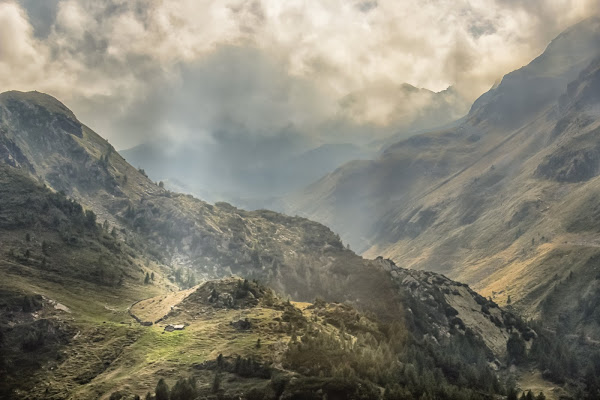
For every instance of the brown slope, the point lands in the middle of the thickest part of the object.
(495, 202)
(507, 220)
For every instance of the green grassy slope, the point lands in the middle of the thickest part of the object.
(89, 274)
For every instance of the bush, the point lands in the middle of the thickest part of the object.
(116, 396)
(32, 303)
(33, 340)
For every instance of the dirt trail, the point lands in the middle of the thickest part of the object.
(149, 311)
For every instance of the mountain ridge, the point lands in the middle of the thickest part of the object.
(485, 202)
(153, 240)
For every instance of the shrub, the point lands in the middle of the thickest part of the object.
(33, 340)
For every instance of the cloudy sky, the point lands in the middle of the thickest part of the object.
(135, 70)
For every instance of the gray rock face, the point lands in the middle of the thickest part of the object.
(452, 308)
(571, 165)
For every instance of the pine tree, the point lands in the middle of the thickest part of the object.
(515, 347)
(238, 364)
(162, 390)
(184, 389)
(216, 386)
(294, 337)
(147, 279)
(45, 247)
(90, 219)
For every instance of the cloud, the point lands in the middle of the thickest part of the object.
(239, 86)
(135, 69)
(17, 45)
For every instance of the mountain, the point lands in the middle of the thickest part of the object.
(504, 200)
(403, 109)
(179, 230)
(191, 168)
(99, 297)
(254, 172)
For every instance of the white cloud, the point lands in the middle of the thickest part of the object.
(18, 48)
(103, 57)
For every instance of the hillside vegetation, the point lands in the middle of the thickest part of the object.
(94, 254)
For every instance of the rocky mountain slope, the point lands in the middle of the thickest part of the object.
(201, 240)
(502, 201)
(86, 236)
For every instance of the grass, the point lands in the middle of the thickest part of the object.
(157, 353)
(113, 352)
(87, 302)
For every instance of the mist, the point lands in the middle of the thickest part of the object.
(250, 88)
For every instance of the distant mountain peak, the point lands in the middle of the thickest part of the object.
(45, 100)
(37, 107)
(529, 89)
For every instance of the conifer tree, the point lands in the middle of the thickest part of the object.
(162, 390)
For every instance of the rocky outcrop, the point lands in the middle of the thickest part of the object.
(568, 165)
(12, 155)
(451, 308)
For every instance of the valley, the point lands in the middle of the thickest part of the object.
(110, 276)
(384, 242)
